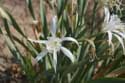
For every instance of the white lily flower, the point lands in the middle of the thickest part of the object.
(114, 27)
(54, 44)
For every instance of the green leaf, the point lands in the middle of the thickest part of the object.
(84, 50)
(81, 33)
(15, 25)
(14, 50)
(29, 3)
(7, 27)
(11, 43)
(29, 70)
(66, 23)
(9, 18)
(61, 6)
(1, 31)
(3, 14)
(43, 19)
(90, 72)
(72, 67)
(81, 7)
(31, 48)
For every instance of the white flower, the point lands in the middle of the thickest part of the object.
(114, 27)
(54, 44)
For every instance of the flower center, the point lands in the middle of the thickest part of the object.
(53, 43)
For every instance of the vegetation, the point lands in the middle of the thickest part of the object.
(83, 43)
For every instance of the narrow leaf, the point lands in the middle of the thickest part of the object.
(43, 19)
(29, 3)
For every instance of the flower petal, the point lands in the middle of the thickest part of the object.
(119, 33)
(68, 54)
(113, 48)
(107, 14)
(70, 39)
(55, 59)
(121, 42)
(37, 41)
(53, 25)
(109, 37)
(41, 55)
(115, 19)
